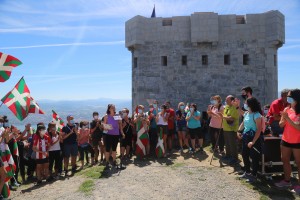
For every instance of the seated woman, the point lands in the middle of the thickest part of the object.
(290, 121)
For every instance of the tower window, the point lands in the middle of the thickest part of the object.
(204, 59)
(184, 60)
(246, 59)
(135, 60)
(167, 22)
(164, 61)
(227, 59)
(240, 19)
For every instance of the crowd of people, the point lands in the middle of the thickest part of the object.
(46, 152)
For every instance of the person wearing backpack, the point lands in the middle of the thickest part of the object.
(215, 112)
(250, 133)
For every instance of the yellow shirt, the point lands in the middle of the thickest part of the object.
(234, 113)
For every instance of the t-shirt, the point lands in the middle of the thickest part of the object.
(84, 136)
(249, 121)
(290, 134)
(193, 123)
(56, 146)
(275, 108)
(182, 115)
(97, 130)
(72, 139)
(216, 121)
(153, 123)
(171, 121)
(233, 112)
(42, 144)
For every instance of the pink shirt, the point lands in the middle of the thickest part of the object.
(84, 136)
(216, 121)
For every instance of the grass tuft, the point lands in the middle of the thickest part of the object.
(87, 187)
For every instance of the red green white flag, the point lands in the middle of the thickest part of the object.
(58, 121)
(34, 107)
(7, 63)
(5, 190)
(142, 142)
(18, 100)
(160, 150)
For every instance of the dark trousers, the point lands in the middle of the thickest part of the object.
(153, 137)
(55, 157)
(16, 160)
(214, 132)
(88, 149)
(248, 153)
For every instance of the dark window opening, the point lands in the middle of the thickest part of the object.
(245, 59)
(135, 62)
(204, 60)
(226, 59)
(164, 61)
(240, 19)
(184, 60)
(167, 22)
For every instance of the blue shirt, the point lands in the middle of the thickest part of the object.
(249, 121)
(193, 123)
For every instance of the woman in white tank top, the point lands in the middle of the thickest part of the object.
(162, 122)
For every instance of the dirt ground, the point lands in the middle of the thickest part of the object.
(177, 177)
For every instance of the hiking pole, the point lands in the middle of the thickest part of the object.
(217, 141)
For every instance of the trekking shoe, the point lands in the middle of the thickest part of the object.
(180, 150)
(233, 161)
(245, 175)
(283, 183)
(2, 198)
(201, 150)
(39, 182)
(74, 170)
(296, 189)
(49, 179)
(252, 178)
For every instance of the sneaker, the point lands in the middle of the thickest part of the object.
(245, 175)
(201, 149)
(296, 189)
(107, 166)
(252, 178)
(39, 182)
(233, 161)
(180, 150)
(283, 183)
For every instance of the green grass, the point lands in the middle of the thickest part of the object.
(177, 165)
(87, 187)
(189, 173)
(94, 172)
(267, 191)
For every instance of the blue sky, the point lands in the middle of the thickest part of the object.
(74, 49)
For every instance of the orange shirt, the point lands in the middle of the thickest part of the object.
(290, 134)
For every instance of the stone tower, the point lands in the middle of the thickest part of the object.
(191, 58)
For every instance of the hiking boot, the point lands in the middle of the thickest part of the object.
(245, 175)
(107, 166)
(252, 178)
(283, 184)
(39, 182)
(180, 151)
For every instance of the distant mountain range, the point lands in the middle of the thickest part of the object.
(81, 110)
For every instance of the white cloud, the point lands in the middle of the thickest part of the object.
(68, 44)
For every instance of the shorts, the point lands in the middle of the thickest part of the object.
(164, 129)
(127, 141)
(290, 145)
(111, 142)
(193, 132)
(70, 150)
(181, 128)
(42, 161)
(96, 138)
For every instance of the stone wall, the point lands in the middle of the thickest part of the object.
(204, 34)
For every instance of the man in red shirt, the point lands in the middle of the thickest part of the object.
(274, 114)
(171, 125)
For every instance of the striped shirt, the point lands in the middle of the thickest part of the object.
(43, 145)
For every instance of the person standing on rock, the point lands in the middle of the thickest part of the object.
(113, 128)
(171, 125)
(96, 135)
(162, 124)
(181, 126)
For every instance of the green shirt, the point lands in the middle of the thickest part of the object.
(233, 112)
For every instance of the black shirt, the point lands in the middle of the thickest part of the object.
(72, 139)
